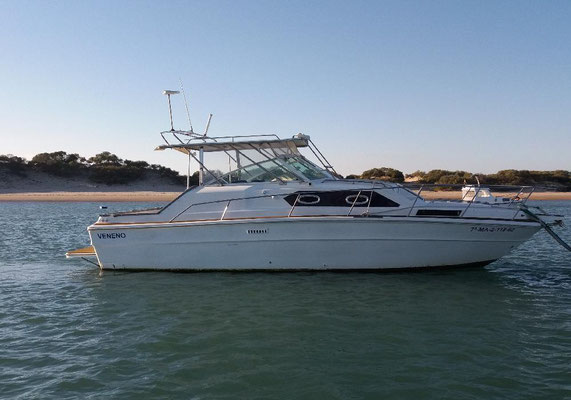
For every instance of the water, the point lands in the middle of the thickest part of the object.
(68, 331)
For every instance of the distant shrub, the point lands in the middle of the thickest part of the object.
(416, 174)
(59, 163)
(193, 179)
(109, 169)
(444, 177)
(137, 164)
(105, 158)
(384, 173)
(14, 164)
(558, 180)
(114, 174)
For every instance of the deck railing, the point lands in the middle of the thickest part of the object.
(521, 197)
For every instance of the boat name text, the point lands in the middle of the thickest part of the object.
(111, 235)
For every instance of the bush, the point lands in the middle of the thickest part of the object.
(105, 158)
(415, 174)
(384, 173)
(444, 177)
(114, 174)
(109, 169)
(14, 164)
(559, 179)
(59, 163)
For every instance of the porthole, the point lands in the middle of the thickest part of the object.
(358, 201)
(308, 199)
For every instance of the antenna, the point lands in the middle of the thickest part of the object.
(207, 124)
(168, 94)
(186, 106)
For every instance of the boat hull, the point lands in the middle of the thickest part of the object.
(306, 244)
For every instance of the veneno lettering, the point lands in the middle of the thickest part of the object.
(111, 235)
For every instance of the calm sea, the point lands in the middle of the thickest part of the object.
(69, 331)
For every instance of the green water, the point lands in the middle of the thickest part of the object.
(69, 331)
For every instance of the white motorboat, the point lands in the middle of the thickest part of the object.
(484, 195)
(278, 210)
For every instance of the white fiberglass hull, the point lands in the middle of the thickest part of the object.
(317, 243)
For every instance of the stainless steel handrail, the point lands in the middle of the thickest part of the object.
(522, 201)
(370, 199)
(415, 200)
(366, 213)
(225, 209)
(470, 203)
(294, 204)
(529, 195)
(354, 201)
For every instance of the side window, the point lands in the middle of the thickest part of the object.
(340, 198)
(357, 200)
(308, 199)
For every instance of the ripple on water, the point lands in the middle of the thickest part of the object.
(67, 330)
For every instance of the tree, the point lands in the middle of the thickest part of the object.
(105, 158)
(416, 174)
(384, 173)
(58, 163)
(14, 164)
(137, 164)
(444, 177)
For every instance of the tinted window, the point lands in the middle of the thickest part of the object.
(341, 198)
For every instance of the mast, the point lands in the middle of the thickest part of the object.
(168, 93)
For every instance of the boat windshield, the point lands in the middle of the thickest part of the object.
(284, 168)
(306, 168)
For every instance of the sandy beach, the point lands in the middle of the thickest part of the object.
(90, 196)
(169, 196)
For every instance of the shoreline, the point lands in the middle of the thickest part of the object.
(136, 196)
(149, 196)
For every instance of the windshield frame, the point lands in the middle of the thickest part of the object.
(280, 167)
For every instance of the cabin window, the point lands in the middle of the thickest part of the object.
(340, 198)
(282, 168)
(308, 199)
(438, 213)
(357, 199)
(306, 169)
(266, 171)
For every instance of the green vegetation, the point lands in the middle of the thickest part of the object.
(107, 168)
(384, 174)
(13, 164)
(441, 176)
(104, 167)
(58, 163)
(558, 180)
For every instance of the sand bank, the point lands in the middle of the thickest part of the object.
(168, 196)
(90, 196)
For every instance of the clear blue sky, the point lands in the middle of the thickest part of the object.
(472, 85)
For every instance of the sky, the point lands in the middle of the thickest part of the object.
(413, 85)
